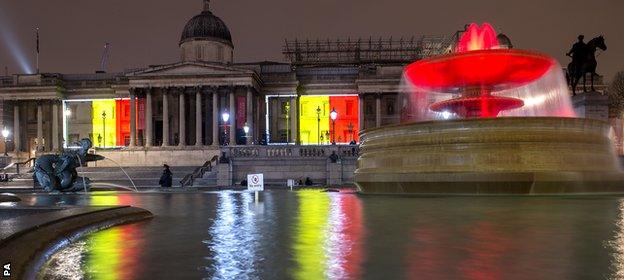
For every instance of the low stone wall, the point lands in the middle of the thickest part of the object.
(280, 163)
(174, 156)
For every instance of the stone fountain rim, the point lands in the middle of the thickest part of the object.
(596, 122)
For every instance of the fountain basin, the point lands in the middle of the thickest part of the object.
(509, 155)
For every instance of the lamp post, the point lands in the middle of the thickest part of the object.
(287, 109)
(333, 115)
(67, 114)
(318, 124)
(5, 135)
(225, 116)
(104, 128)
(246, 130)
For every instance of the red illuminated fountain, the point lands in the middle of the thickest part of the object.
(487, 120)
(477, 69)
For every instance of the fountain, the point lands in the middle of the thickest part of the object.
(57, 173)
(488, 120)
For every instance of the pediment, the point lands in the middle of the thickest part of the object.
(190, 69)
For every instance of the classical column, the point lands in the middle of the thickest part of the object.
(182, 126)
(55, 127)
(249, 117)
(361, 111)
(165, 111)
(132, 118)
(378, 110)
(215, 118)
(293, 119)
(258, 119)
(39, 126)
(148, 118)
(198, 118)
(232, 117)
(17, 141)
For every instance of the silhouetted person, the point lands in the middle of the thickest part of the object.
(333, 157)
(308, 181)
(579, 50)
(166, 179)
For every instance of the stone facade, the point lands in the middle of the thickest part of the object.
(179, 106)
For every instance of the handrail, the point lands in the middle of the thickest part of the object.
(199, 172)
(17, 164)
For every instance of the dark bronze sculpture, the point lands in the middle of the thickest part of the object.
(583, 61)
(58, 172)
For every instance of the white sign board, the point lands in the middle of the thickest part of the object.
(255, 182)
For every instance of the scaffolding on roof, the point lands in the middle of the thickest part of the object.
(366, 51)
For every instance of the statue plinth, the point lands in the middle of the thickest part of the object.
(591, 105)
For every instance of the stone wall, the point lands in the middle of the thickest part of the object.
(280, 163)
(188, 156)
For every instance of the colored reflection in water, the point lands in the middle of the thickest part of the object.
(234, 238)
(104, 255)
(310, 235)
(111, 199)
(315, 235)
(328, 236)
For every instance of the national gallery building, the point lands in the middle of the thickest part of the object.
(207, 100)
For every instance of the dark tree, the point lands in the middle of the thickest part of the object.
(615, 91)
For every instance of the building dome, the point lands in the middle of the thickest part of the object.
(504, 41)
(206, 38)
(206, 26)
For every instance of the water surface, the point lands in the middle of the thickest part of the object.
(314, 235)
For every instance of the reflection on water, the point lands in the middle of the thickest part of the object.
(329, 232)
(233, 238)
(314, 235)
(310, 232)
(618, 245)
(103, 255)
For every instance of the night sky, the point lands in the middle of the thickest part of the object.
(144, 32)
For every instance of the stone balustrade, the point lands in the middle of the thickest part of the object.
(289, 151)
(283, 162)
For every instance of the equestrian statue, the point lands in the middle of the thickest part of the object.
(583, 61)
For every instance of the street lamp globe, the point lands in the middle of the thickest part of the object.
(246, 128)
(333, 114)
(5, 133)
(68, 112)
(225, 116)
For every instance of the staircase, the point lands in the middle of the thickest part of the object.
(202, 176)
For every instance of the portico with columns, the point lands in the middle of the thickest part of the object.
(187, 109)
